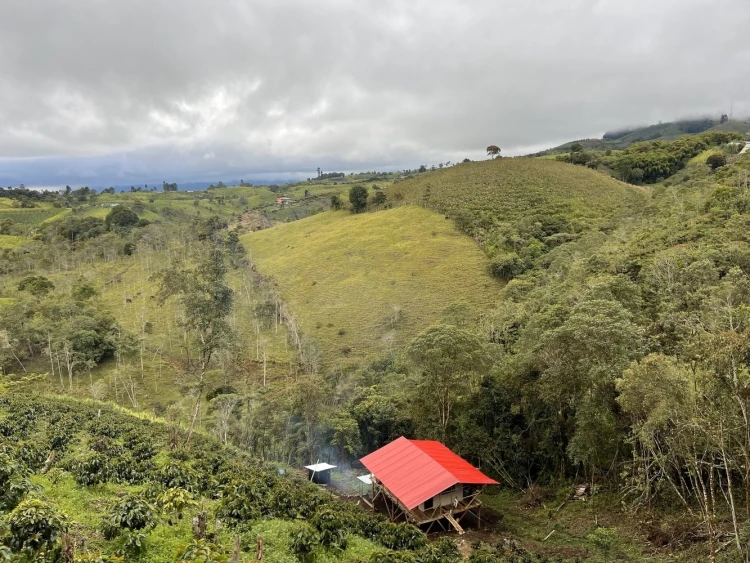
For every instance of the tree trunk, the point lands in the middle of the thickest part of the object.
(197, 408)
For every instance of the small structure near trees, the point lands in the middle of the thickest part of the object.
(425, 483)
(320, 473)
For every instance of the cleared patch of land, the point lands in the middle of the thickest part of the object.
(362, 285)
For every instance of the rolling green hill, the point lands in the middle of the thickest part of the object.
(365, 284)
(521, 209)
(508, 189)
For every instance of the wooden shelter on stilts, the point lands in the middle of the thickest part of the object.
(425, 483)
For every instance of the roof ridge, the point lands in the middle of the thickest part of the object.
(458, 480)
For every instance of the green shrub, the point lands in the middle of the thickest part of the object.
(507, 266)
(177, 476)
(332, 531)
(303, 543)
(716, 160)
(131, 513)
(35, 525)
(358, 198)
(89, 470)
(201, 550)
(14, 484)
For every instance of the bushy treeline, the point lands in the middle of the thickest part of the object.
(649, 162)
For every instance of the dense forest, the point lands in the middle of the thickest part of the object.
(607, 344)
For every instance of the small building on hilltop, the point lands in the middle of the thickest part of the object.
(423, 482)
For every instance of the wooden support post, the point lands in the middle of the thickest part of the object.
(236, 551)
(259, 552)
(68, 548)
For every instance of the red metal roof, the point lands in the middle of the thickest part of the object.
(417, 470)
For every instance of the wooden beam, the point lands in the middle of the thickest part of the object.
(456, 525)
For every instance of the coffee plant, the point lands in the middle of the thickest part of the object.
(201, 550)
(303, 543)
(14, 484)
(35, 525)
(90, 470)
(131, 513)
(95, 444)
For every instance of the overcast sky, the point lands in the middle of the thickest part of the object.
(106, 92)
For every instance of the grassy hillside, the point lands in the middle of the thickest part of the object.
(363, 284)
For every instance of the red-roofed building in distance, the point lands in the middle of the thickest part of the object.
(423, 482)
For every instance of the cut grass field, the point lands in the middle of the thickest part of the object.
(509, 189)
(362, 285)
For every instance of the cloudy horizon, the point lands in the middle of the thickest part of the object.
(114, 93)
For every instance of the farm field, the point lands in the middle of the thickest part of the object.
(506, 189)
(32, 216)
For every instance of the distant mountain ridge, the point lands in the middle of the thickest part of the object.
(623, 138)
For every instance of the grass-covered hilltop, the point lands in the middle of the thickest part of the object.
(569, 321)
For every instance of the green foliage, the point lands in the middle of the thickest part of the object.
(14, 484)
(78, 228)
(658, 160)
(38, 286)
(175, 502)
(303, 543)
(345, 434)
(716, 160)
(336, 202)
(330, 527)
(82, 291)
(35, 525)
(90, 470)
(604, 539)
(97, 557)
(202, 551)
(358, 198)
(379, 198)
(131, 513)
(451, 360)
(507, 266)
(121, 218)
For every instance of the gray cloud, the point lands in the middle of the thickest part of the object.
(100, 91)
